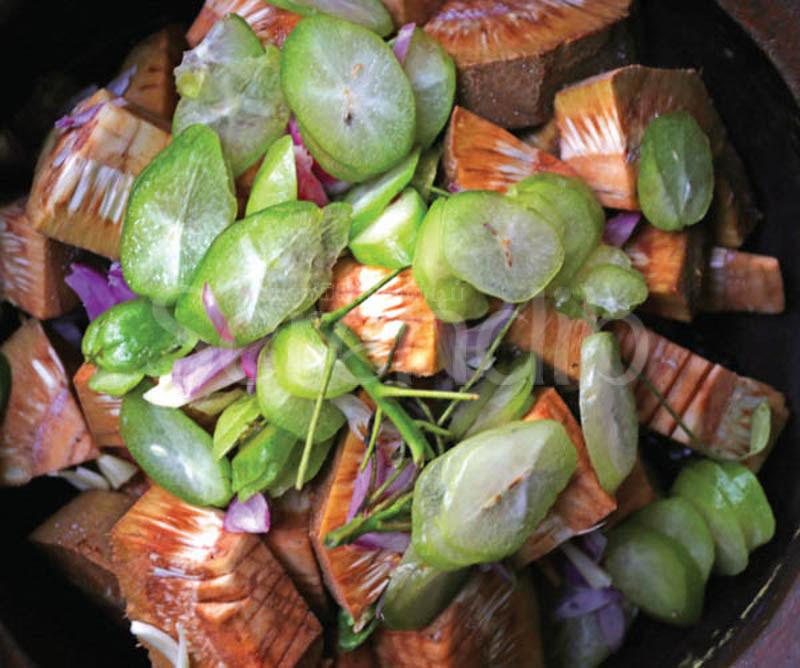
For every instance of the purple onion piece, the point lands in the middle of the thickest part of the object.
(192, 372)
(250, 359)
(309, 187)
(78, 118)
(356, 411)
(95, 290)
(360, 489)
(619, 228)
(403, 41)
(294, 130)
(215, 315)
(252, 516)
(119, 84)
(119, 286)
(580, 601)
(611, 620)
(594, 544)
(395, 541)
(453, 188)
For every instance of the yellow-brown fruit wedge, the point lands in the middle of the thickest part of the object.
(733, 214)
(737, 281)
(356, 576)
(490, 623)
(583, 503)
(78, 540)
(271, 24)
(672, 264)
(412, 11)
(479, 155)
(100, 410)
(289, 540)
(177, 565)
(33, 266)
(512, 57)
(152, 84)
(379, 319)
(85, 174)
(545, 137)
(636, 491)
(43, 429)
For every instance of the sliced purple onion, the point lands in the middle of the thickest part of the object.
(594, 576)
(619, 228)
(119, 286)
(294, 130)
(309, 187)
(250, 359)
(97, 292)
(580, 601)
(252, 516)
(356, 411)
(192, 372)
(119, 84)
(215, 315)
(403, 41)
(78, 118)
(168, 394)
(453, 188)
(611, 620)
(594, 544)
(330, 184)
(395, 541)
(69, 327)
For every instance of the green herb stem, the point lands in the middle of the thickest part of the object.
(373, 437)
(377, 522)
(329, 319)
(378, 493)
(398, 339)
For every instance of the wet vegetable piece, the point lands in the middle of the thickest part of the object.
(677, 518)
(287, 411)
(232, 84)
(369, 199)
(276, 180)
(746, 496)
(499, 247)
(608, 410)
(5, 384)
(570, 207)
(353, 102)
(236, 422)
(115, 383)
(298, 355)
(418, 592)
(349, 638)
(676, 172)
(180, 202)
(261, 459)
(288, 476)
(611, 290)
(432, 74)
(136, 336)
(701, 483)
(174, 451)
(266, 268)
(389, 240)
(450, 298)
(656, 573)
(368, 13)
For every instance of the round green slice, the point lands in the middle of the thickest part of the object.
(289, 412)
(262, 457)
(677, 518)
(498, 246)
(299, 358)
(353, 102)
(701, 484)
(287, 478)
(427, 168)
(656, 573)
(276, 180)
(389, 240)
(608, 411)
(179, 204)
(368, 13)
(613, 291)
(746, 496)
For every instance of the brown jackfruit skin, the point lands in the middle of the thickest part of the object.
(43, 429)
(271, 24)
(490, 623)
(101, 411)
(512, 57)
(411, 11)
(737, 281)
(177, 565)
(582, 504)
(78, 539)
(33, 266)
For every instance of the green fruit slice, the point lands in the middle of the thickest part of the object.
(276, 180)
(450, 298)
(656, 573)
(179, 204)
(499, 247)
(298, 354)
(287, 478)
(432, 74)
(570, 207)
(232, 84)
(115, 383)
(389, 240)
(746, 496)
(266, 268)
(353, 102)
(608, 411)
(368, 13)
(369, 199)
(417, 592)
(235, 423)
(613, 291)
(174, 451)
(427, 168)
(701, 484)
(261, 459)
(678, 519)
(289, 412)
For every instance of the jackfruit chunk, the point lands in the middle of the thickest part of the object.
(177, 565)
(636, 491)
(411, 11)
(490, 623)
(43, 430)
(85, 174)
(33, 266)
(737, 281)
(582, 504)
(101, 411)
(479, 155)
(379, 319)
(271, 24)
(512, 57)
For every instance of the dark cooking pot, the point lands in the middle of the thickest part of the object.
(750, 618)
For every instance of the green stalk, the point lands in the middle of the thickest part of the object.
(432, 420)
(440, 191)
(376, 522)
(378, 493)
(395, 391)
(328, 319)
(433, 429)
(393, 350)
(373, 437)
